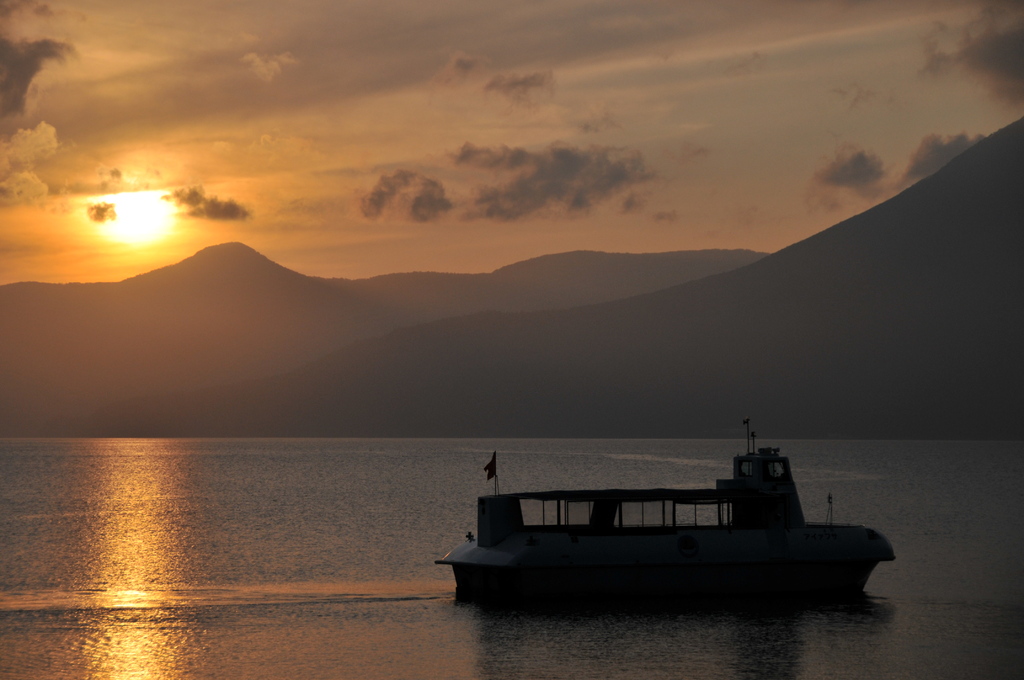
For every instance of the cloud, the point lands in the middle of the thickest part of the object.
(856, 94)
(10, 7)
(599, 120)
(408, 193)
(18, 156)
(991, 49)
(665, 216)
(459, 68)
(198, 204)
(562, 176)
(111, 179)
(26, 147)
(851, 169)
(274, 149)
(266, 68)
(860, 172)
(934, 152)
(518, 89)
(19, 63)
(101, 212)
(22, 188)
(687, 152)
(633, 203)
(746, 65)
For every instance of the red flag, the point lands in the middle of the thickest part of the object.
(492, 468)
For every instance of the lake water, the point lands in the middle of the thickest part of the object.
(292, 559)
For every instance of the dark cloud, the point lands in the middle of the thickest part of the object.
(518, 89)
(19, 63)
(101, 212)
(934, 152)
(633, 203)
(997, 55)
(746, 66)
(411, 194)
(665, 216)
(198, 204)
(852, 168)
(565, 176)
(599, 121)
(687, 152)
(111, 179)
(992, 49)
(9, 7)
(460, 66)
(855, 94)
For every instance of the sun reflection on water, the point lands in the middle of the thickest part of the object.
(139, 556)
(137, 644)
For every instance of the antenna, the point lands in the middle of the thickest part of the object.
(746, 421)
(828, 516)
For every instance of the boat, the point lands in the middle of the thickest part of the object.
(746, 536)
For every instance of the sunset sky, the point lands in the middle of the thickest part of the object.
(348, 138)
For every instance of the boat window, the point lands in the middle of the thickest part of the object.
(644, 514)
(776, 469)
(554, 512)
(630, 515)
(701, 514)
(608, 514)
(654, 514)
(533, 511)
(746, 468)
(577, 512)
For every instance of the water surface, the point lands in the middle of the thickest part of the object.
(290, 559)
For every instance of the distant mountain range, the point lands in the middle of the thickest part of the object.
(906, 321)
(229, 314)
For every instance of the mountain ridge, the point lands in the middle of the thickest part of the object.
(227, 313)
(901, 322)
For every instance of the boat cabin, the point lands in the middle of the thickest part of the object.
(760, 495)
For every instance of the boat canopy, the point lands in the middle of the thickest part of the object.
(677, 495)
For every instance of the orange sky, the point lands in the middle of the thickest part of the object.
(353, 138)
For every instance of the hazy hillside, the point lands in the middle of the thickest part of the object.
(547, 282)
(904, 321)
(228, 313)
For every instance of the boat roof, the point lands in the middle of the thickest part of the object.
(687, 495)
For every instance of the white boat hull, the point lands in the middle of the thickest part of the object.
(811, 560)
(475, 582)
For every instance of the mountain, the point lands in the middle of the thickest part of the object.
(548, 282)
(905, 321)
(228, 313)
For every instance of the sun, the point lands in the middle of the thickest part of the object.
(133, 217)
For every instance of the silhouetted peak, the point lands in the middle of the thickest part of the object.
(227, 262)
(572, 259)
(234, 249)
(229, 255)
